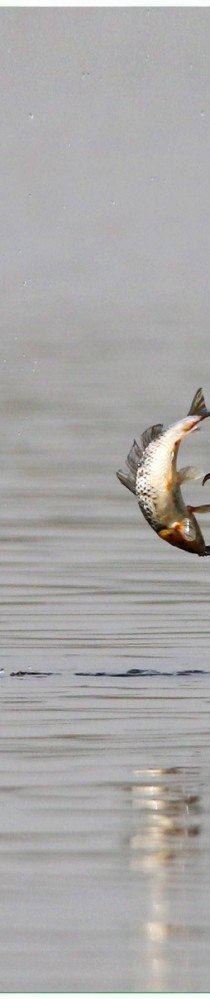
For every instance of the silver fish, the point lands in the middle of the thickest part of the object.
(154, 478)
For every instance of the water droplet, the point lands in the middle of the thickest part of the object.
(202, 114)
(31, 115)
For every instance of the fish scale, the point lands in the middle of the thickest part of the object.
(145, 491)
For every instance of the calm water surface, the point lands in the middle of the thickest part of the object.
(104, 775)
(105, 780)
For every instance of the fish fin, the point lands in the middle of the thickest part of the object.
(204, 508)
(188, 474)
(127, 480)
(133, 461)
(134, 457)
(151, 434)
(198, 406)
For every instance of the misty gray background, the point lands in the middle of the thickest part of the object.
(105, 206)
(105, 328)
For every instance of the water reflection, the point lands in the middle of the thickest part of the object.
(167, 823)
(169, 812)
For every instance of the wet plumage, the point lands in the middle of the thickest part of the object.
(152, 475)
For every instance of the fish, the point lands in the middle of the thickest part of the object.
(152, 475)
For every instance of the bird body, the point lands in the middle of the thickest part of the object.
(154, 478)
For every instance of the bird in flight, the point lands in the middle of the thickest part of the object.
(152, 475)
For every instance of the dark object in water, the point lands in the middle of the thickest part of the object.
(30, 672)
(130, 673)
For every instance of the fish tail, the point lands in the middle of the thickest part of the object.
(198, 406)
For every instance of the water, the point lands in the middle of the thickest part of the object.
(104, 773)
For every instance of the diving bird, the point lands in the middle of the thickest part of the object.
(152, 475)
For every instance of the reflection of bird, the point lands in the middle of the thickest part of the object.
(154, 478)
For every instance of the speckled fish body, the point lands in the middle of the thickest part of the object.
(154, 478)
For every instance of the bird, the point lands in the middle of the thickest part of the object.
(152, 475)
